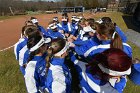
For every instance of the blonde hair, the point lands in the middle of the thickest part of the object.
(109, 31)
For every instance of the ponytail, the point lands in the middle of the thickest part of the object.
(31, 56)
(48, 58)
(116, 41)
(108, 29)
(56, 46)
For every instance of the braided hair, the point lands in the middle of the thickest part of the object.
(56, 46)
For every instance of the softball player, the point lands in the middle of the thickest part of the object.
(21, 47)
(66, 25)
(107, 20)
(35, 21)
(109, 39)
(58, 78)
(135, 72)
(53, 31)
(23, 40)
(105, 73)
(35, 71)
(74, 25)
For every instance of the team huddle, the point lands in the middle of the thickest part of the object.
(96, 50)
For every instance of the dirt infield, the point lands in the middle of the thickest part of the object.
(10, 29)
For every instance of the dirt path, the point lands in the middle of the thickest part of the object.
(10, 29)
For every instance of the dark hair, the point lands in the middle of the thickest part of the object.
(37, 24)
(91, 21)
(65, 14)
(23, 30)
(28, 23)
(50, 22)
(28, 30)
(113, 58)
(56, 21)
(32, 41)
(108, 30)
(55, 17)
(56, 45)
(106, 19)
(33, 18)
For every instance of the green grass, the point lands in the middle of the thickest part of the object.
(12, 81)
(4, 17)
(8, 17)
(131, 88)
(117, 18)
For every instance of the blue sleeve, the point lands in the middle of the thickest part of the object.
(60, 26)
(72, 57)
(80, 42)
(81, 50)
(90, 42)
(74, 29)
(31, 78)
(42, 29)
(121, 85)
(121, 33)
(60, 35)
(127, 50)
(48, 33)
(96, 40)
(18, 47)
(26, 56)
(95, 51)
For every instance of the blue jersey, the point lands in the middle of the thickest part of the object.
(81, 35)
(54, 34)
(74, 28)
(18, 46)
(42, 30)
(82, 50)
(121, 34)
(23, 57)
(59, 26)
(135, 74)
(88, 43)
(66, 27)
(35, 74)
(92, 84)
(58, 78)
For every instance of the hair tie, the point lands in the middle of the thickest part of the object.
(114, 72)
(114, 35)
(66, 47)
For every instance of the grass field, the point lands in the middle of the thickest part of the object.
(12, 81)
(7, 17)
(4, 17)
